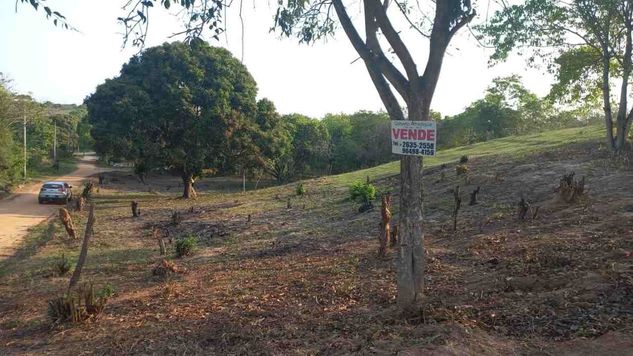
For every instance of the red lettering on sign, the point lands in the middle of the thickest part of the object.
(413, 134)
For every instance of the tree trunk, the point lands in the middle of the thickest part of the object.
(623, 117)
(188, 189)
(84, 248)
(410, 264)
(606, 98)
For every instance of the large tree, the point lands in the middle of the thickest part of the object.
(180, 106)
(591, 42)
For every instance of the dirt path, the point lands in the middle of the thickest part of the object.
(21, 211)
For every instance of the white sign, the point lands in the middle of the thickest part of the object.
(415, 138)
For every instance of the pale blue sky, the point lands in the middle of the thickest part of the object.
(65, 66)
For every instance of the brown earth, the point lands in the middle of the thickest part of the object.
(268, 279)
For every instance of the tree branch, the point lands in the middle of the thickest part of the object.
(394, 39)
(371, 58)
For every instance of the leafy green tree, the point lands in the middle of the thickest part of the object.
(591, 41)
(180, 106)
(341, 147)
(310, 145)
(274, 140)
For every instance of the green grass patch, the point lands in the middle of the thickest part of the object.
(507, 146)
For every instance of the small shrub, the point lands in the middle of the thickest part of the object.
(301, 190)
(364, 193)
(186, 246)
(461, 169)
(463, 159)
(62, 265)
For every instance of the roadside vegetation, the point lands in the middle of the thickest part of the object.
(73, 134)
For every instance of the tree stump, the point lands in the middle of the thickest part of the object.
(88, 189)
(161, 246)
(67, 221)
(176, 218)
(523, 208)
(570, 189)
(458, 205)
(136, 212)
(80, 203)
(473, 197)
(394, 235)
(385, 225)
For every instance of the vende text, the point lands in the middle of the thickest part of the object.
(413, 134)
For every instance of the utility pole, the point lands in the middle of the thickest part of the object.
(55, 141)
(24, 135)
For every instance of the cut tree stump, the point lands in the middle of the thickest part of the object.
(385, 225)
(80, 203)
(136, 212)
(458, 205)
(67, 221)
(570, 189)
(473, 197)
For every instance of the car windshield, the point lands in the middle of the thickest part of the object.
(52, 186)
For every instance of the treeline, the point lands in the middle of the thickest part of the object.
(301, 147)
(41, 120)
(508, 108)
(192, 109)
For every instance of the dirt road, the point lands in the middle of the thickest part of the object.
(21, 211)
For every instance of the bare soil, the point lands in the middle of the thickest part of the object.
(268, 279)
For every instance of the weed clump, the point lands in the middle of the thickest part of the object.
(82, 305)
(186, 246)
(301, 190)
(62, 265)
(364, 193)
(461, 170)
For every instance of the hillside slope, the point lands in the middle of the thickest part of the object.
(279, 274)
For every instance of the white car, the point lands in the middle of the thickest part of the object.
(55, 192)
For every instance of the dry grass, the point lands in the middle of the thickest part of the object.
(307, 280)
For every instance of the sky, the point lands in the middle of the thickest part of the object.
(66, 66)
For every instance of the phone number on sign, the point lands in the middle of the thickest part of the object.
(421, 145)
(417, 151)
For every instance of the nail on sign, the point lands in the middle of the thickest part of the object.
(415, 138)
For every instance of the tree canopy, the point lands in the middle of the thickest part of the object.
(179, 106)
(587, 43)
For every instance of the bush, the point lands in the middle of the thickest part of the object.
(463, 159)
(79, 306)
(62, 265)
(186, 246)
(362, 192)
(301, 190)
